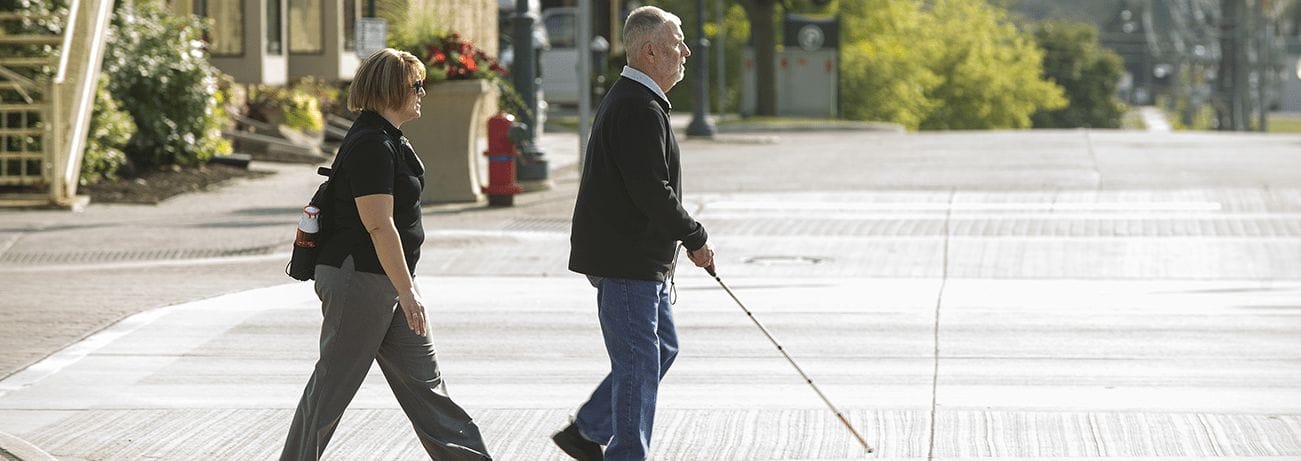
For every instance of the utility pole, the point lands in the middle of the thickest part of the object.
(721, 17)
(700, 126)
(1264, 64)
(1232, 79)
(533, 166)
(583, 43)
(1242, 68)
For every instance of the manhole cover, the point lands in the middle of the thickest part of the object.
(785, 260)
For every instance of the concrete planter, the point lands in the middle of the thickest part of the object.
(446, 137)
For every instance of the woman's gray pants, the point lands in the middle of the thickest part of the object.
(361, 326)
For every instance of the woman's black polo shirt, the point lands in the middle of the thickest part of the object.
(374, 159)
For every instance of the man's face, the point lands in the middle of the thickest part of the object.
(671, 54)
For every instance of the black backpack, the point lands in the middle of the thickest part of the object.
(302, 262)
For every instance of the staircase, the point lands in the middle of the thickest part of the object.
(47, 91)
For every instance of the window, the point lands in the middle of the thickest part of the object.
(275, 29)
(226, 35)
(561, 30)
(305, 24)
(350, 25)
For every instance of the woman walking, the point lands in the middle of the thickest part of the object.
(364, 276)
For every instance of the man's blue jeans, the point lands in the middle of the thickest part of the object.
(637, 323)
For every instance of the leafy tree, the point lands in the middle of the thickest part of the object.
(948, 64)
(885, 73)
(991, 71)
(1074, 59)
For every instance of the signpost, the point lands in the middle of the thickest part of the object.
(371, 36)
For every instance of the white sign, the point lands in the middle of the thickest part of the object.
(372, 36)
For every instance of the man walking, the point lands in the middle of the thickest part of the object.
(628, 219)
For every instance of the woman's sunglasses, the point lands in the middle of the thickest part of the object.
(419, 86)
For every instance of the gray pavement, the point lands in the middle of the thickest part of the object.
(1017, 295)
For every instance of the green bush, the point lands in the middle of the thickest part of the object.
(1074, 59)
(110, 129)
(160, 72)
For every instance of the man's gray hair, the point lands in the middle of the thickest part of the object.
(642, 25)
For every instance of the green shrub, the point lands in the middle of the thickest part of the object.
(1074, 59)
(160, 72)
(110, 129)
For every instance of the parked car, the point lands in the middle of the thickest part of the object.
(560, 61)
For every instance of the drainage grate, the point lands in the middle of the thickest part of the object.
(133, 255)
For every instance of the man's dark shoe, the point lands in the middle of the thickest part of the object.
(575, 445)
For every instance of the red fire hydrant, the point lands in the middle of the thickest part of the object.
(501, 188)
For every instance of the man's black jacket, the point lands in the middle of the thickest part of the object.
(629, 217)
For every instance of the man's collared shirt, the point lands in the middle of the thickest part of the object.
(641, 77)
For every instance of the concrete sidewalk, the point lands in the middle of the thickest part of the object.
(218, 379)
(1024, 295)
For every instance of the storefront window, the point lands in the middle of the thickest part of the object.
(275, 29)
(305, 24)
(226, 34)
(350, 25)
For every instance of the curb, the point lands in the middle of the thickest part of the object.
(16, 449)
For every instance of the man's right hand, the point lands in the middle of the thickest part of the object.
(702, 257)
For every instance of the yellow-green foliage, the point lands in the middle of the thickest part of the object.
(885, 74)
(957, 64)
(992, 72)
(110, 129)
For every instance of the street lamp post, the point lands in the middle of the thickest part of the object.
(532, 164)
(700, 111)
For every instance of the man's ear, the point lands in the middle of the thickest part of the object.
(648, 48)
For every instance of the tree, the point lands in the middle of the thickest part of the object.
(763, 34)
(1074, 59)
(944, 64)
(992, 72)
(885, 73)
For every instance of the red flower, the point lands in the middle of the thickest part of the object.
(468, 62)
(459, 59)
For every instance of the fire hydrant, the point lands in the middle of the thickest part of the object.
(501, 153)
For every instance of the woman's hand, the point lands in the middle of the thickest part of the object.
(376, 212)
(414, 308)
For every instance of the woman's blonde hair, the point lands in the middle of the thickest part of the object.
(384, 80)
